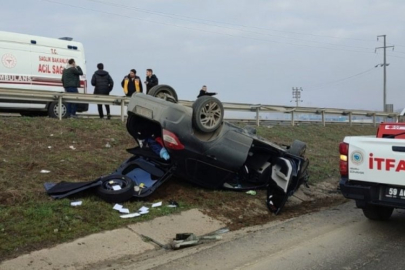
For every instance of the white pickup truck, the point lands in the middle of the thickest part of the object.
(373, 170)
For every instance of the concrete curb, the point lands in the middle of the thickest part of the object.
(116, 244)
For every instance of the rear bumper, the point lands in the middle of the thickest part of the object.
(367, 193)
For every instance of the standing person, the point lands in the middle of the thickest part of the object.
(132, 84)
(151, 80)
(71, 81)
(203, 92)
(103, 84)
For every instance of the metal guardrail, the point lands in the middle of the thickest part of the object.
(60, 97)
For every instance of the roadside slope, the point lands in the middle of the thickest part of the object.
(29, 220)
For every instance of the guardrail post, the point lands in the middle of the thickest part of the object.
(323, 118)
(122, 110)
(292, 119)
(60, 107)
(257, 116)
(350, 118)
(374, 119)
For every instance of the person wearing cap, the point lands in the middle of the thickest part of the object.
(132, 84)
(203, 92)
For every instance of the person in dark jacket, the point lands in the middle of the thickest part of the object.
(151, 80)
(131, 84)
(71, 81)
(203, 92)
(103, 84)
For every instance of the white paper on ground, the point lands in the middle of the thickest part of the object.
(143, 209)
(45, 171)
(72, 147)
(144, 212)
(116, 187)
(76, 203)
(157, 204)
(124, 210)
(171, 206)
(117, 207)
(130, 215)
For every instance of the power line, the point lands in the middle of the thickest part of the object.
(206, 31)
(216, 23)
(321, 85)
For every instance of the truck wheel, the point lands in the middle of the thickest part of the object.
(208, 114)
(377, 212)
(107, 192)
(165, 92)
(53, 110)
(297, 148)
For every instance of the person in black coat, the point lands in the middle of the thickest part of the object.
(103, 84)
(151, 80)
(203, 92)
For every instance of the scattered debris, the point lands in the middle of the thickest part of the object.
(72, 147)
(130, 215)
(49, 147)
(124, 210)
(51, 135)
(173, 204)
(156, 204)
(117, 207)
(183, 240)
(78, 203)
(108, 145)
(154, 241)
(143, 210)
(116, 187)
(251, 192)
(45, 171)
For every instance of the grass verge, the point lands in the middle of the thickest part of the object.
(30, 220)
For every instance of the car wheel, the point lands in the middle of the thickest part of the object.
(53, 110)
(377, 212)
(165, 92)
(208, 114)
(106, 191)
(297, 148)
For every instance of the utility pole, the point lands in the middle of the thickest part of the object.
(385, 68)
(296, 95)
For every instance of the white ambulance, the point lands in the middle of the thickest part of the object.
(36, 63)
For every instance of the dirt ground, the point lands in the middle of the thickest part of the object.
(238, 209)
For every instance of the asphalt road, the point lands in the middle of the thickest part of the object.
(338, 238)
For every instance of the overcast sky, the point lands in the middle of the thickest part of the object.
(248, 51)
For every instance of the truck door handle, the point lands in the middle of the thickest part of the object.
(398, 148)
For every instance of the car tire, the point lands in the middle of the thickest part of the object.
(297, 148)
(377, 212)
(165, 92)
(108, 194)
(53, 110)
(208, 114)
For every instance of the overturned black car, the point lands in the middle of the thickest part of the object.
(197, 145)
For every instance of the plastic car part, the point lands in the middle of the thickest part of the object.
(297, 148)
(276, 199)
(106, 191)
(208, 114)
(165, 92)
